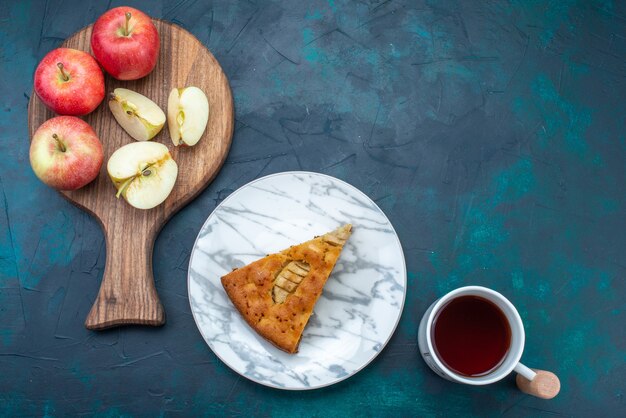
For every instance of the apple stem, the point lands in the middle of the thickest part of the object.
(63, 73)
(59, 143)
(128, 15)
(124, 186)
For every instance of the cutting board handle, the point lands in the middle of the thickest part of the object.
(127, 294)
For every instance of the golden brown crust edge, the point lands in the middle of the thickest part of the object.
(249, 289)
(250, 296)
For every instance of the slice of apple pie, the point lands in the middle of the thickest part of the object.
(276, 294)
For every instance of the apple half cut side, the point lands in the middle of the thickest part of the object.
(140, 117)
(143, 173)
(187, 115)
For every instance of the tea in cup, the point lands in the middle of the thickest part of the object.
(474, 335)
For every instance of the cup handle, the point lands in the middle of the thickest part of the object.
(539, 383)
(525, 371)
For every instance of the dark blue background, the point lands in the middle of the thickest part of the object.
(492, 134)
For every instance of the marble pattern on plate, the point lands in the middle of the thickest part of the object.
(361, 303)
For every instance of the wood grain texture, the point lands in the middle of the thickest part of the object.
(545, 385)
(127, 293)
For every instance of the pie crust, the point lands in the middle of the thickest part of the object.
(276, 294)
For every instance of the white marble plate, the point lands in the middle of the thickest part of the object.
(362, 300)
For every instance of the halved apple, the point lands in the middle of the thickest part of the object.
(187, 115)
(138, 115)
(143, 173)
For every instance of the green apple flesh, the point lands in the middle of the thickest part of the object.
(187, 115)
(138, 115)
(144, 173)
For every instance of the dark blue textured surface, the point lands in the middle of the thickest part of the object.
(493, 135)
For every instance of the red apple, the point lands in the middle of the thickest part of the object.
(65, 153)
(126, 43)
(69, 82)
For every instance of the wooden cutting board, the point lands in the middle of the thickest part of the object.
(127, 293)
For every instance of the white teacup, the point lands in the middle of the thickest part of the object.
(512, 357)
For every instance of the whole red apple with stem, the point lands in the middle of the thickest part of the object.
(65, 153)
(126, 43)
(69, 82)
